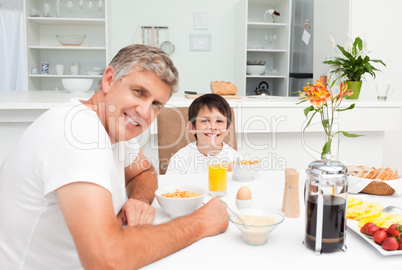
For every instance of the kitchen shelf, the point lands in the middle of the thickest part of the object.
(267, 76)
(263, 25)
(65, 48)
(66, 21)
(254, 42)
(63, 76)
(43, 46)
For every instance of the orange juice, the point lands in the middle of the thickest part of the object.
(217, 178)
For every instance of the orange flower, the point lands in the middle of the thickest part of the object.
(316, 93)
(344, 91)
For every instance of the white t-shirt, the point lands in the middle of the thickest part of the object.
(189, 160)
(66, 144)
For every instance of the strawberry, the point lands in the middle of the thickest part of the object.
(390, 243)
(379, 236)
(372, 229)
(400, 243)
(364, 228)
(393, 230)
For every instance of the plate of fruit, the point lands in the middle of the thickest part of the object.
(381, 229)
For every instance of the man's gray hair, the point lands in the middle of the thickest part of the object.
(144, 58)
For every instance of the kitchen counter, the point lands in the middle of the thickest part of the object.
(265, 127)
(49, 99)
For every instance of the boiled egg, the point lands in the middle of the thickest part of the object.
(244, 193)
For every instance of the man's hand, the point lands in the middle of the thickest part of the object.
(135, 212)
(214, 216)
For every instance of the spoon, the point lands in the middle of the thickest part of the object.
(233, 212)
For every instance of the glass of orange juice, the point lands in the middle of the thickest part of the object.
(217, 173)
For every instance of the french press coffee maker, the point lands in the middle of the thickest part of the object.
(326, 194)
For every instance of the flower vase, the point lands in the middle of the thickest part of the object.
(355, 86)
(333, 150)
(274, 18)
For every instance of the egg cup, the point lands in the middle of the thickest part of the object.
(243, 204)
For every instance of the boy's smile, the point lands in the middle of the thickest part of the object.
(211, 128)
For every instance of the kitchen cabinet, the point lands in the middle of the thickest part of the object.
(254, 32)
(46, 19)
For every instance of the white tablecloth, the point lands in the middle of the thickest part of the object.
(284, 249)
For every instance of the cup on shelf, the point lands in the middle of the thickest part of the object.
(59, 69)
(34, 70)
(383, 91)
(75, 69)
(45, 68)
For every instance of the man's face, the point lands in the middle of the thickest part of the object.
(132, 103)
(210, 127)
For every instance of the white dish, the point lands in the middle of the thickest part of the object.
(77, 85)
(71, 40)
(352, 224)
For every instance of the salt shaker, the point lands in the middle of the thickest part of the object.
(285, 190)
(292, 208)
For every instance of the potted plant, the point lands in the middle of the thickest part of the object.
(352, 64)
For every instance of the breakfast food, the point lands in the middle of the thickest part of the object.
(246, 162)
(223, 88)
(244, 193)
(373, 173)
(256, 235)
(388, 237)
(365, 211)
(181, 194)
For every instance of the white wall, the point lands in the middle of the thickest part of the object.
(378, 22)
(331, 18)
(197, 68)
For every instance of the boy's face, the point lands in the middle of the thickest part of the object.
(211, 127)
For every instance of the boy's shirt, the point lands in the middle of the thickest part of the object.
(189, 160)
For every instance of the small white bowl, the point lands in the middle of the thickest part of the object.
(243, 204)
(256, 235)
(71, 40)
(77, 85)
(176, 207)
(255, 69)
(245, 172)
(94, 71)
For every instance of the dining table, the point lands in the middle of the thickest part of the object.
(284, 248)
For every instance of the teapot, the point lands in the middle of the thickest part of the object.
(262, 89)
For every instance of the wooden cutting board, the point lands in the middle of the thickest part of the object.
(190, 96)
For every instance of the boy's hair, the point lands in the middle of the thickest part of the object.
(211, 101)
(144, 58)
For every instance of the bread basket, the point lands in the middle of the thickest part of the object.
(378, 187)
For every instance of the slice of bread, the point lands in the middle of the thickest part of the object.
(355, 170)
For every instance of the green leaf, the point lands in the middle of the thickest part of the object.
(325, 123)
(327, 148)
(308, 109)
(309, 121)
(346, 134)
(348, 108)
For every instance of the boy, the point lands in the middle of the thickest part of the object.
(209, 117)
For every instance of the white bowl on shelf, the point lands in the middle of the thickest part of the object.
(94, 71)
(77, 85)
(255, 69)
(71, 40)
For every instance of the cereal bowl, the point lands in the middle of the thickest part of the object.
(176, 207)
(259, 224)
(245, 172)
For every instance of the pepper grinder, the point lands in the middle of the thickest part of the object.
(285, 190)
(292, 208)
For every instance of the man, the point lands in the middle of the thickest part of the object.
(62, 200)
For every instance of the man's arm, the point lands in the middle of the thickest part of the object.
(141, 179)
(141, 183)
(102, 244)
